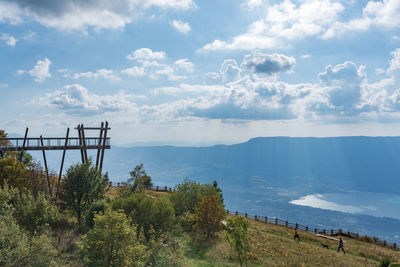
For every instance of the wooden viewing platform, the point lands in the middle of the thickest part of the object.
(82, 143)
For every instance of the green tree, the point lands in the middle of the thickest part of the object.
(82, 186)
(238, 237)
(186, 196)
(139, 179)
(111, 242)
(12, 171)
(153, 217)
(208, 216)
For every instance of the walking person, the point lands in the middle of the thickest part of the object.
(341, 245)
(296, 236)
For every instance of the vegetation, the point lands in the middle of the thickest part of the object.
(238, 237)
(83, 185)
(139, 179)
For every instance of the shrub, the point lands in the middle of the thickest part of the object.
(238, 237)
(111, 242)
(139, 179)
(82, 186)
(97, 207)
(208, 216)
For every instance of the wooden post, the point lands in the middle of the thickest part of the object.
(306, 228)
(104, 146)
(45, 165)
(157, 188)
(394, 246)
(99, 144)
(84, 144)
(266, 219)
(324, 231)
(276, 221)
(62, 162)
(286, 223)
(331, 231)
(227, 212)
(236, 213)
(80, 143)
(255, 217)
(316, 231)
(245, 215)
(23, 145)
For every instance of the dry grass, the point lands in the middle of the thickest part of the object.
(274, 246)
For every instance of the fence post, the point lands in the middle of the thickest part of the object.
(394, 245)
(157, 188)
(384, 243)
(276, 221)
(236, 213)
(227, 212)
(324, 231)
(110, 183)
(118, 184)
(316, 231)
(165, 189)
(255, 217)
(286, 223)
(266, 219)
(170, 189)
(297, 226)
(306, 228)
(245, 215)
(331, 231)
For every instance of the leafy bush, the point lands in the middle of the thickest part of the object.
(208, 216)
(111, 242)
(238, 237)
(185, 197)
(152, 217)
(82, 186)
(97, 207)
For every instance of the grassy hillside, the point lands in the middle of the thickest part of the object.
(274, 246)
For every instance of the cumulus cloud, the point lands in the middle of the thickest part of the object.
(134, 71)
(151, 64)
(41, 71)
(83, 14)
(3, 85)
(395, 61)
(20, 72)
(184, 64)
(283, 22)
(75, 99)
(101, 73)
(180, 26)
(229, 71)
(268, 64)
(10, 41)
(145, 54)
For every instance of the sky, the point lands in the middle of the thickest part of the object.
(190, 72)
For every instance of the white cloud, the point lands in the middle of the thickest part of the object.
(75, 99)
(20, 72)
(184, 64)
(84, 14)
(100, 73)
(145, 54)
(3, 85)
(268, 64)
(284, 22)
(181, 26)
(41, 71)
(395, 61)
(134, 71)
(10, 41)
(306, 56)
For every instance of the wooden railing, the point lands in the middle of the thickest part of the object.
(331, 232)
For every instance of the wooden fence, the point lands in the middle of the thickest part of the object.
(153, 188)
(331, 232)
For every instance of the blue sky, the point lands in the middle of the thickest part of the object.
(201, 72)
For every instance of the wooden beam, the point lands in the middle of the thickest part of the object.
(84, 144)
(62, 162)
(45, 165)
(1, 154)
(104, 146)
(99, 150)
(80, 143)
(23, 145)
